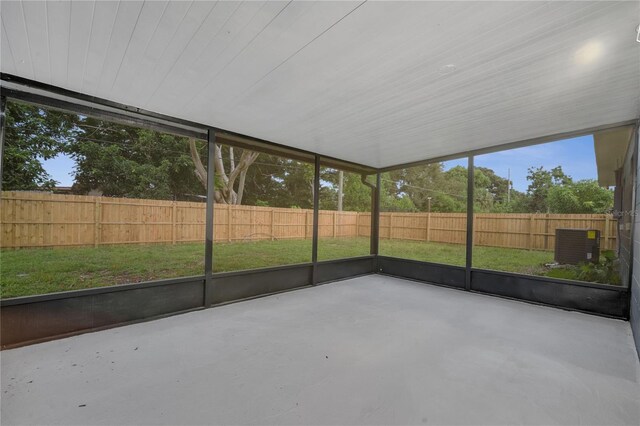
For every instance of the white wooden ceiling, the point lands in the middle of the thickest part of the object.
(378, 83)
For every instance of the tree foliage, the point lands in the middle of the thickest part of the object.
(584, 196)
(32, 134)
(125, 161)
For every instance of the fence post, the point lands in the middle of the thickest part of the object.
(229, 218)
(428, 226)
(41, 227)
(174, 210)
(272, 215)
(531, 226)
(97, 219)
(606, 232)
(335, 220)
(391, 216)
(546, 231)
(252, 219)
(475, 228)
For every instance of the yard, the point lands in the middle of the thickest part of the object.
(38, 271)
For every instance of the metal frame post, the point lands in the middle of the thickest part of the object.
(316, 220)
(208, 245)
(470, 195)
(3, 105)
(375, 217)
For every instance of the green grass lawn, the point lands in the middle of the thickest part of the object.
(501, 259)
(38, 271)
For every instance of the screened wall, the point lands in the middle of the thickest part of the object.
(344, 227)
(88, 203)
(423, 213)
(263, 212)
(540, 211)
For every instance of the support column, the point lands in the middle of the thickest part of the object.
(3, 105)
(470, 194)
(208, 245)
(375, 217)
(316, 220)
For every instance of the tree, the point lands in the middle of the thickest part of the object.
(451, 191)
(420, 184)
(541, 182)
(228, 173)
(124, 161)
(497, 186)
(584, 196)
(279, 182)
(32, 134)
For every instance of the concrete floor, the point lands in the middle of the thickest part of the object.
(371, 350)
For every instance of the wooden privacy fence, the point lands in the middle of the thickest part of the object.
(511, 230)
(36, 219)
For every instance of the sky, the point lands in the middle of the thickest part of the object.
(576, 156)
(60, 169)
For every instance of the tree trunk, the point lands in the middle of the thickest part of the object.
(201, 172)
(227, 194)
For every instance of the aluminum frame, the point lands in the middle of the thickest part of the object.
(155, 299)
(3, 106)
(470, 209)
(210, 212)
(316, 219)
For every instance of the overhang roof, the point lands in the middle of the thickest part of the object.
(376, 83)
(611, 149)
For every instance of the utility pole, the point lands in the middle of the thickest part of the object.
(509, 186)
(429, 204)
(340, 189)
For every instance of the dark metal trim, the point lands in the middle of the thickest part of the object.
(259, 282)
(95, 329)
(249, 144)
(59, 91)
(375, 217)
(375, 212)
(23, 300)
(27, 322)
(129, 119)
(510, 145)
(548, 280)
(256, 270)
(429, 272)
(470, 209)
(209, 228)
(633, 148)
(341, 269)
(3, 106)
(346, 166)
(316, 219)
(598, 300)
(345, 259)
